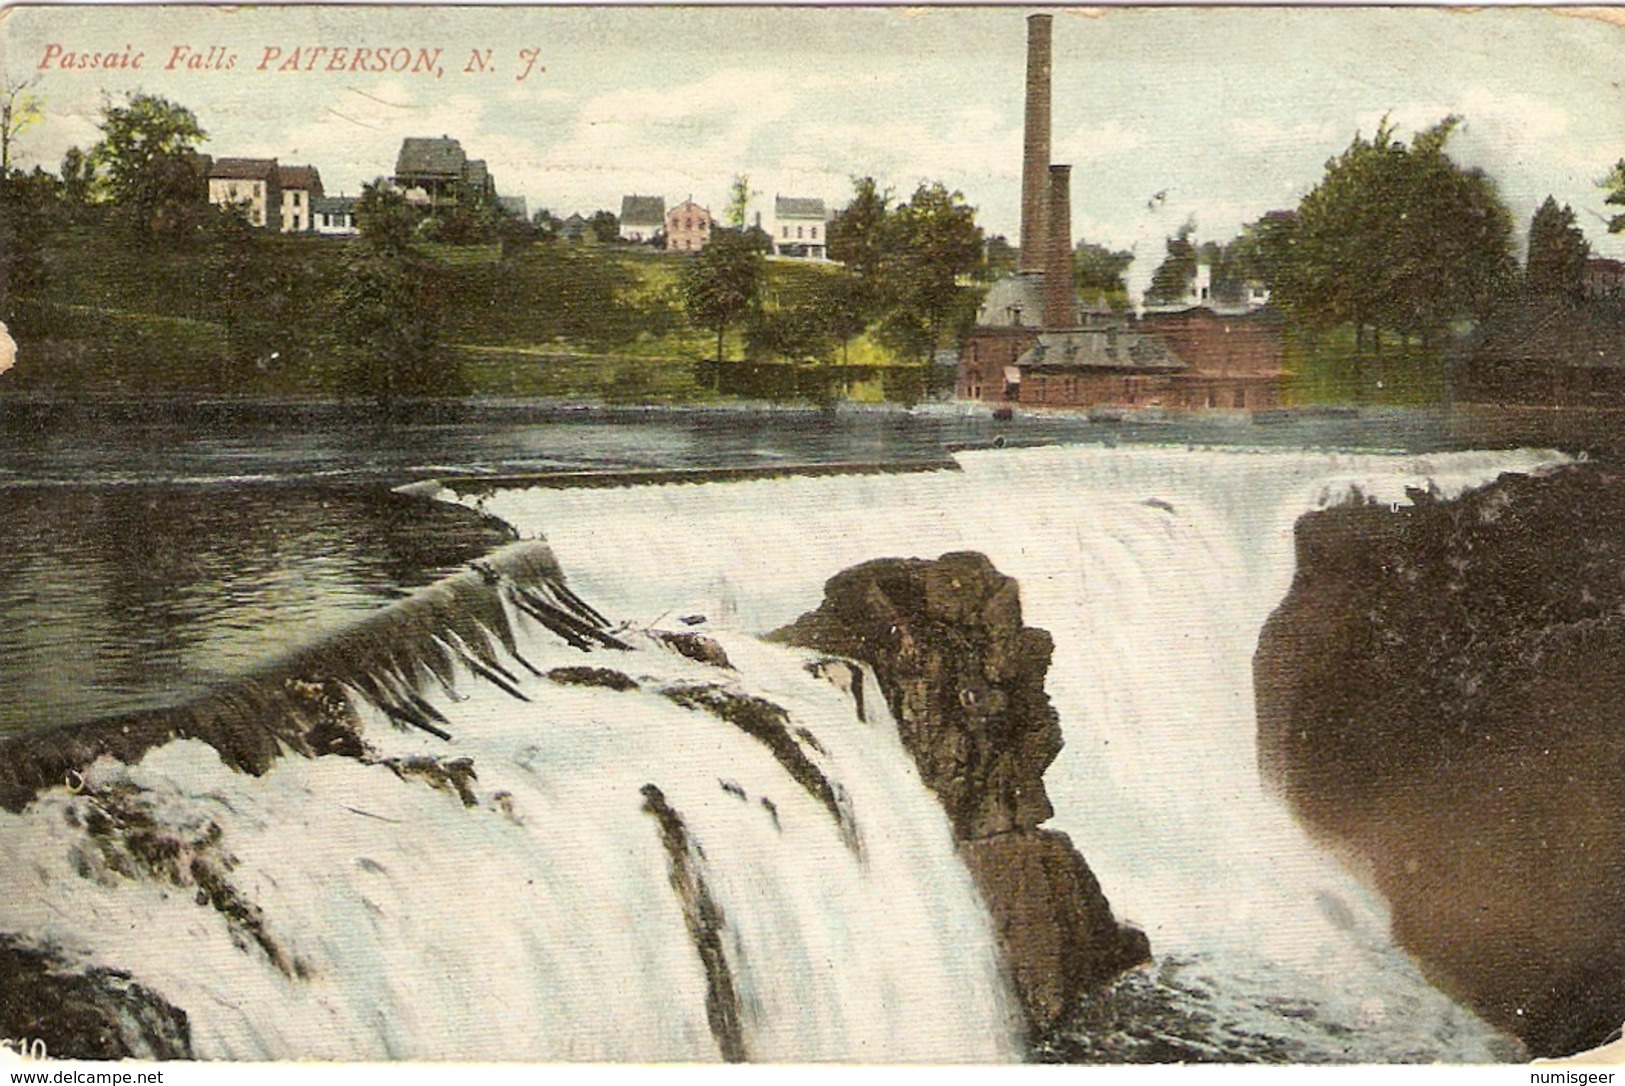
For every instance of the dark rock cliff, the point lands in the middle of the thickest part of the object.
(1442, 694)
(965, 680)
(77, 1013)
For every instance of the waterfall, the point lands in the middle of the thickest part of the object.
(1154, 568)
(510, 848)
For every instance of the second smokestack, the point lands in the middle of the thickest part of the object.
(1060, 297)
(1036, 147)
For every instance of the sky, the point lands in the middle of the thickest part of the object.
(1227, 112)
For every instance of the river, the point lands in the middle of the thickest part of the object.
(148, 556)
(151, 549)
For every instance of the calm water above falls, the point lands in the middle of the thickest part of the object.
(134, 596)
(148, 550)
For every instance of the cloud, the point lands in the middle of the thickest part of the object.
(1261, 134)
(1093, 143)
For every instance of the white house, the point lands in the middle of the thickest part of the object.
(334, 216)
(642, 217)
(301, 188)
(800, 227)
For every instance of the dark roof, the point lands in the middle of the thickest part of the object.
(244, 169)
(476, 174)
(1016, 301)
(643, 210)
(798, 207)
(1109, 348)
(1556, 334)
(1229, 314)
(512, 205)
(333, 205)
(440, 158)
(300, 177)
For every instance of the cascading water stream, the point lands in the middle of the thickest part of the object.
(622, 855)
(1154, 569)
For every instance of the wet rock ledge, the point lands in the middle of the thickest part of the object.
(964, 679)
(1442, 695)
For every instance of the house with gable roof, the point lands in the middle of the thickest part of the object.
(253, 184)
(441, 169)
(642, 217)
(800, 227)
(301, 188)
(688, 227)
(334, 216)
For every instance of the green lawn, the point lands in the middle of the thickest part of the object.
(1328, 370)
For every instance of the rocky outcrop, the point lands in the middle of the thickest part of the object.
(79, 1012)
(1441, 694)
(965, 681)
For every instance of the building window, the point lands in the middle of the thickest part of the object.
(798, 233)
(1241, 397)
(786, 231)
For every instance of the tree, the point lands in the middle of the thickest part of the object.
(1398, 238)
(801, 332)
(722, 281)
(1171, 282)
(604, 226)
(1098, 269)
(20, 109)
(1558, 251)
(859, 232)
(843, 298)
(998, 259)
(906, 261)
(547, 224)
(387, 306)
(739, 195)
(149, 153)
(932, 240)
(25, 223)
(78, 176)
(1264, 250)
(1615, 184)
(384, 218)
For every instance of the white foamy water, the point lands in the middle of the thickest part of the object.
(543, 922)
(1154, 569)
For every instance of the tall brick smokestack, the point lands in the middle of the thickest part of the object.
(1035, 147)
(1060, 296)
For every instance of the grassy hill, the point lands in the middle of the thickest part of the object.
(257, 315)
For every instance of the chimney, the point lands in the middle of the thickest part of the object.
(1060, 296)
(1035, 146)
